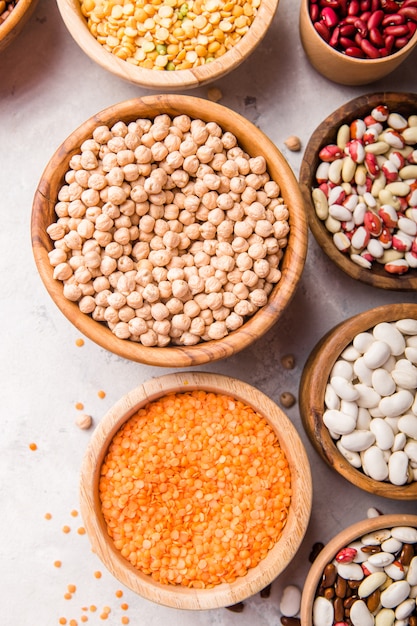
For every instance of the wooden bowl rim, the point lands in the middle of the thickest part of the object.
(343, 538)
(17, 14)
(325, 133)
(354, 62)
(312, 389)
(180, 79)
(291, 265)
(298, 517)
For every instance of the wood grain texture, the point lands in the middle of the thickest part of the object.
(312, 389)
(325, 133)
(277, 559)
(15, 22)
(339, 67)
(255, 142)
(162, 80)
(341, 540)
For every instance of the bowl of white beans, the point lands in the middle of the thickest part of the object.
(13, 17)
(169, 230)
(357, 43)
(358, 400)
(174, 46)
(358, 179)
(366, 574)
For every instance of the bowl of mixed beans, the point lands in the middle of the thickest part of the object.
(168, 45)
(14, 14)
(169, 230)
(195, 490)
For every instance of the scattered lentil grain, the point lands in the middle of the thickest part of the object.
(33, 446)
(79, 342)
(66, 529)
(101, 394)
(57, 563)
(79, 406)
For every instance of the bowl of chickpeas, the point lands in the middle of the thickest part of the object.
(216, 491)
(168, 46)
(169, 230)
(13, 17)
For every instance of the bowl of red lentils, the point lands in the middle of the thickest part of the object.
(169, 230)
(358, 400)
(358, 178)
(195, 490)
(168, 45)
(13, 17)
(354, 42)
(365, 574)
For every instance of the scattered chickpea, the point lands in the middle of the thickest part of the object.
(287, 399)
(214, 94)
(84, 421)
(293, 143)
(288, 361)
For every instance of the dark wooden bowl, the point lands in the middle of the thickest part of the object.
(313, 383)
(255, 142)
(325, 133)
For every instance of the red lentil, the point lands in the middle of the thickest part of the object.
(195, 489)
(72, 588)
(101, 394)
(119, 593)
(57, 563)
(48, 516)
(66, 529)
(125, 620)
(79, 342)
(81, 530)
(33, 446)
(124, 606)
(79, 406)
(97, 574)
(62, 620)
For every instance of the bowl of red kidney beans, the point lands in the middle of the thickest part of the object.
(355, 42)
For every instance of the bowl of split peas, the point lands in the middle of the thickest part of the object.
(169, 230)
(195, 490)
(357, 43)
(358, 400)
(358, 178)
(13, 17)
(168, 45)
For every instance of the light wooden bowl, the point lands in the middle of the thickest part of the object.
(325, 133)
(339, 67)
(279, 556)
(353, 532)
(15, 22)
(313, 382)
(251, 139)
(167, 80)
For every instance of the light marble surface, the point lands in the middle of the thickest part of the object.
(47, 88)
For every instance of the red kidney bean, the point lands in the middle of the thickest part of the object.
(389, 6)
(345, 42)
(347, 30)
(365, 5)
(314, 12)
(362, 28)
(329, 17)
(410, 3)
(376, 38)
(355, 52)
(398, 30)
(393, 19)
(409, 12)
(322, 30)
(375, 19)
(354, 7)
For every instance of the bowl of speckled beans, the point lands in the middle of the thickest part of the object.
(13, 17)
(358, 178)
(169, 230)
(195, 490)
(358, 400)
(168, 46)
(366, 574)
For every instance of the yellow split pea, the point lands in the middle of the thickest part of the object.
(169, 34)
(195, 489)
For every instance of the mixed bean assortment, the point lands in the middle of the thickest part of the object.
(371, 581)
(371, 402)
(195, 489)
(366, 191)
(167, 231)
(365, 29)
(5, 9)
(170, 34)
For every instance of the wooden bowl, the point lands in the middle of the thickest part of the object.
(167, 80)
(251, 139)
(257, 578)
(342, 539)
(339, 67)
(313, 383)
(15, 22)
(325, 133)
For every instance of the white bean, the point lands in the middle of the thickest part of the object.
(323, 612)
(338, 422)
(406, 534)
(408, 425)
(388, 333)
(290, 601)
(371, 583)
(397, 403)
(358, 440)
(374, 464)
(398, 468)
(412, 572)
(382, 382)
(385, 617)
(396, 593)
(376, 355)
(405, 609)
(343, 388)
(360, 614)
(384, 435)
